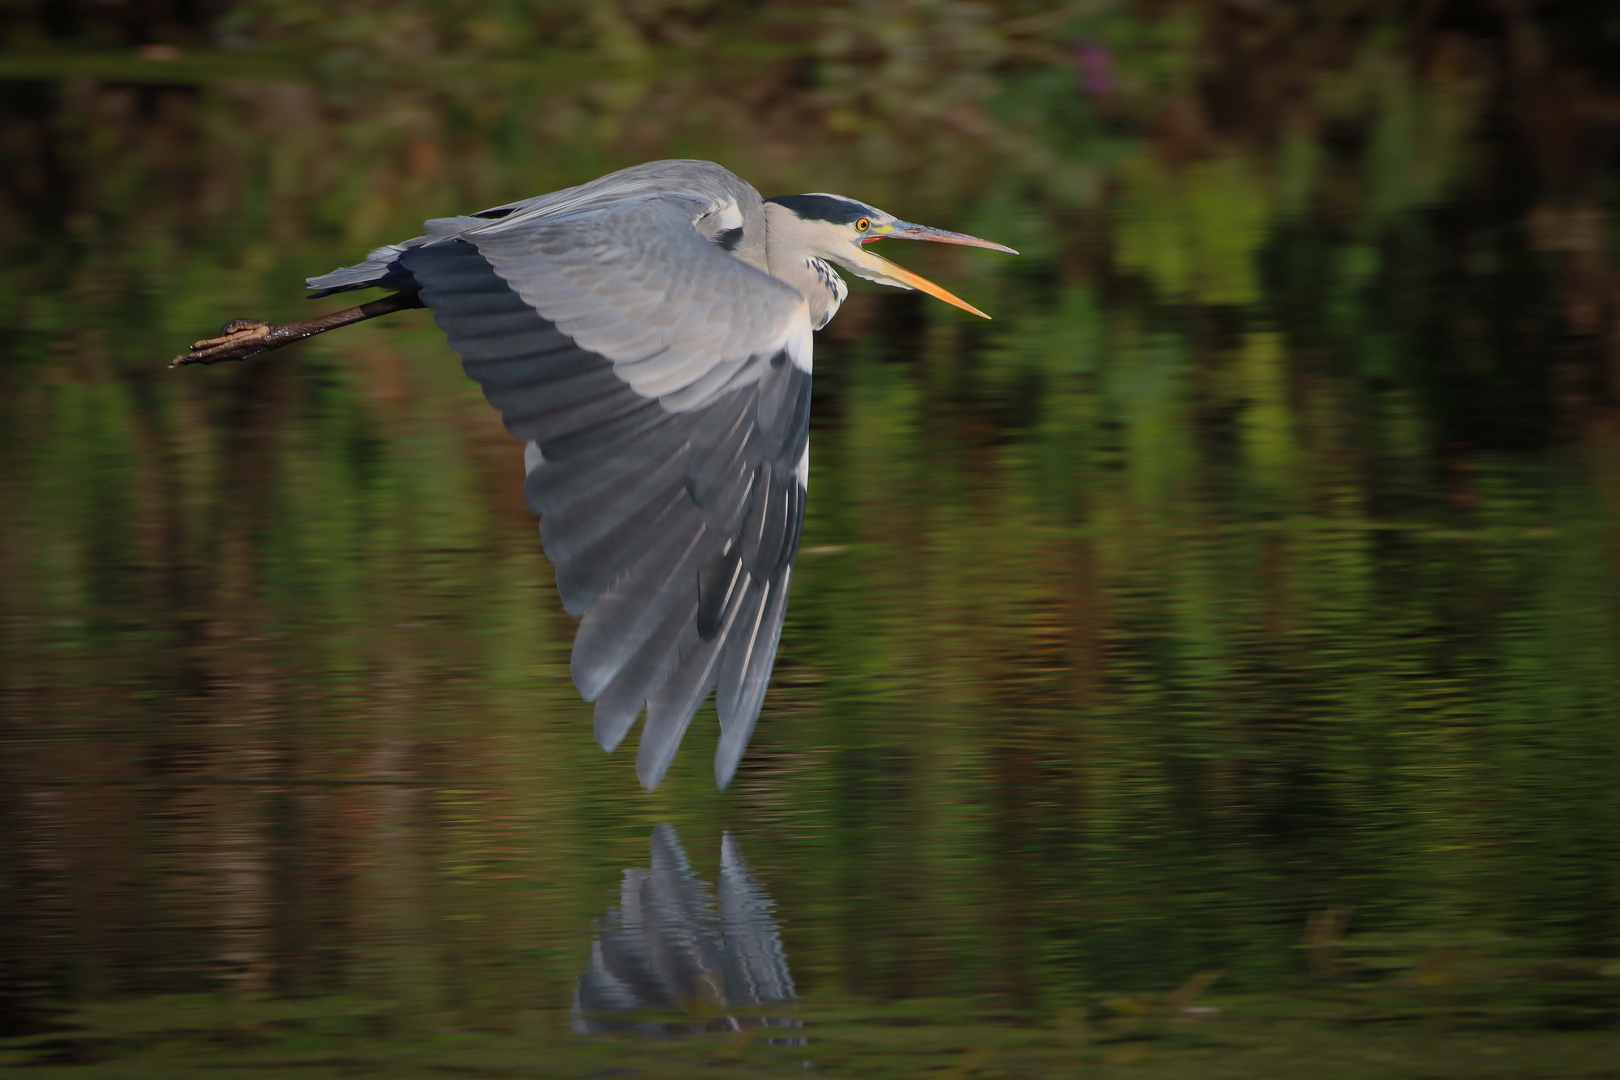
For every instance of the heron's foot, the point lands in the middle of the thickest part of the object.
(242, 338)
(238, 340)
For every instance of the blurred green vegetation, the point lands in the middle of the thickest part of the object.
(1255, 564)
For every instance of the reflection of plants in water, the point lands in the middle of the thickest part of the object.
(1458, 1008)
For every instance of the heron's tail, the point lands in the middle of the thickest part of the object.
(381, 270)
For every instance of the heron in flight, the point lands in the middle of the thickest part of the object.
(646, 336)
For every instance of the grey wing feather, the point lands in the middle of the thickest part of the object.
(671, 516)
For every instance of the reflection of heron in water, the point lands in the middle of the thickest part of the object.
(669, 946)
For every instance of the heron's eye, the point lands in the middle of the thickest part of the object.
(862, 225)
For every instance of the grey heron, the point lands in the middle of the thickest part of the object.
(647, 337)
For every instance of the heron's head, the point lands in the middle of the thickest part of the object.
(837, 229)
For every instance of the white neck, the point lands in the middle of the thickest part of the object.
(792, 256)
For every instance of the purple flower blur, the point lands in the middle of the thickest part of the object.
(1095, 65)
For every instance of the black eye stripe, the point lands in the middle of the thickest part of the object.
(823, 208)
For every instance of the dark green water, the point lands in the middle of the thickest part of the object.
(1235, 613)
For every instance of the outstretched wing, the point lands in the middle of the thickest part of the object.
(662, 388)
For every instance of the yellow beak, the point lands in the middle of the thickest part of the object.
(922, 284)
(905, 230)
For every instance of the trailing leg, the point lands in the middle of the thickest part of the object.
(240, 339)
